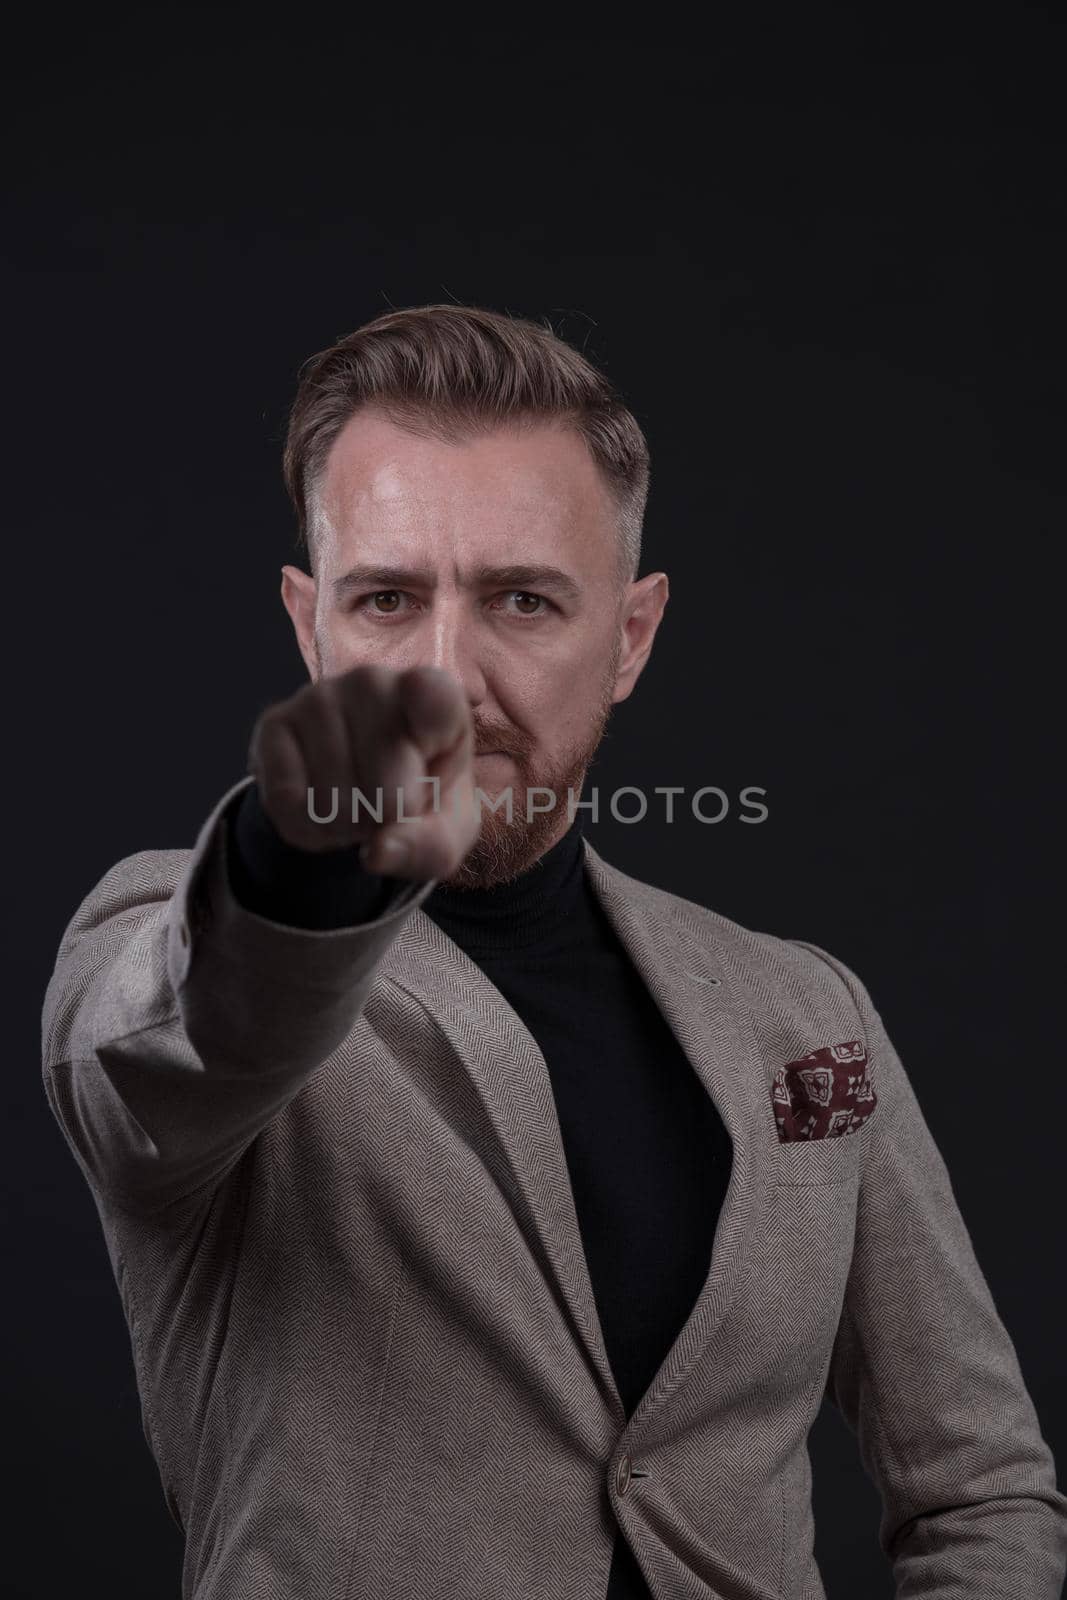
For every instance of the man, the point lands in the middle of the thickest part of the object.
(489, 1223)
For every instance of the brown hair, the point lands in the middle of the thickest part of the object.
(452, 372)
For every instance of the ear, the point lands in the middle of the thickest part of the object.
(642, 612)
(298, 597)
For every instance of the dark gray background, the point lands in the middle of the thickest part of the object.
(823, 258)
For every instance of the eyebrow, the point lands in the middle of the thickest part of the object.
(373, 577)
(554, 579)
(530, 577)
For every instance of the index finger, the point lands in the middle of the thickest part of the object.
(434, 707)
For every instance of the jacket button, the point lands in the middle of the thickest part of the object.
(622, 1475)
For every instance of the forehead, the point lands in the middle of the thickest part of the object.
(537, 482)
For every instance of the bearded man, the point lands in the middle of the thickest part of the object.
(488, 1223)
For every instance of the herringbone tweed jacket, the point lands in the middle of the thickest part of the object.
(336, 1202)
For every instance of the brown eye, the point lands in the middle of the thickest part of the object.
(527, 603)
(386, 600)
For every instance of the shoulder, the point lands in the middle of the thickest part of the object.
(138, 882)
(797, 989)
(147, 879)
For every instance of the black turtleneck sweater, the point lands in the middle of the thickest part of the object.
(648, 1155)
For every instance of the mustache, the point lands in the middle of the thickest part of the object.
(503, 736)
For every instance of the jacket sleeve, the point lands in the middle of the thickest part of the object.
(177, 1023)
(926, 1375)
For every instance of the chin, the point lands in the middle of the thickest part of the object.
(503, 851)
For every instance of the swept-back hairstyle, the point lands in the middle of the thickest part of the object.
(455, 372)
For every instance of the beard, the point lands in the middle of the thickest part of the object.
(503, 848)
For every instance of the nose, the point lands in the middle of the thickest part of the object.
(453, 646)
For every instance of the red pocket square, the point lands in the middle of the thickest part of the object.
(824, 1094)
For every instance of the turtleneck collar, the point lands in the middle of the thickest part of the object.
(521, 913)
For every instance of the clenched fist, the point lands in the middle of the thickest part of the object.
(386, 735)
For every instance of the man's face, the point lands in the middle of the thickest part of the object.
(497, 560)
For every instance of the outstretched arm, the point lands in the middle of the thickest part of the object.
(178, 1021)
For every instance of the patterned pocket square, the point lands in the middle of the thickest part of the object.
(825, 1094)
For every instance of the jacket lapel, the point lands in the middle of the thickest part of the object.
(512, 1080)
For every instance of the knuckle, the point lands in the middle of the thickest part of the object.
(369, 679)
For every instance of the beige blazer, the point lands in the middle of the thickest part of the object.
(333, 1189)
